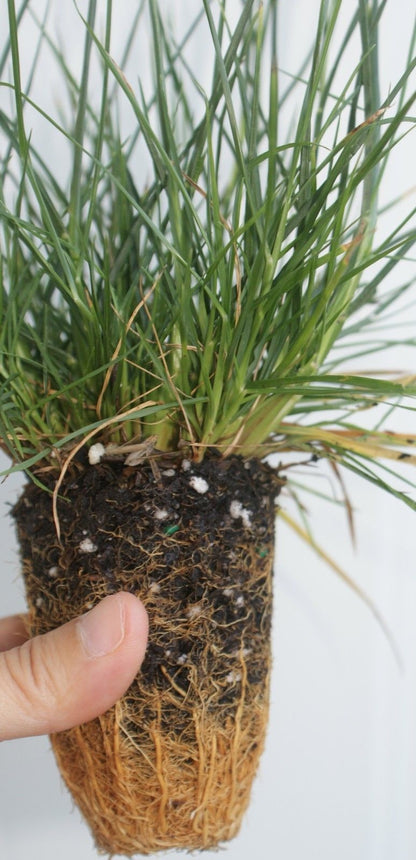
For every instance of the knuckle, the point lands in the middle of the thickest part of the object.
(33, 680)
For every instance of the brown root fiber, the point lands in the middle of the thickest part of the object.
(171, 765)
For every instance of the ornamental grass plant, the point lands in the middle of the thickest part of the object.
(186, 313)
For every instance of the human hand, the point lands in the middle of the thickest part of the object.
(72, 674)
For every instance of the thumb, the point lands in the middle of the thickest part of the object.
(74, 673)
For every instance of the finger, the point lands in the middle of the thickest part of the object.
(12, 632)
(74, 673)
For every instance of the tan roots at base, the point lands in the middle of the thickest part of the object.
(163, 794)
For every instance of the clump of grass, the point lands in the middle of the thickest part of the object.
(216, 295)
(204, 286)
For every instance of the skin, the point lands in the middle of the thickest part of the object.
(72, 674)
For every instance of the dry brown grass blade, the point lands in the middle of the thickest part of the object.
(117, 419)
(118, 348)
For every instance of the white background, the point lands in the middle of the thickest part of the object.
(338, 778)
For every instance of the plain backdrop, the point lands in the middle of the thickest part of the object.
(338, 777)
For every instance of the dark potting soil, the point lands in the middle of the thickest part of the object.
(194, 541)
